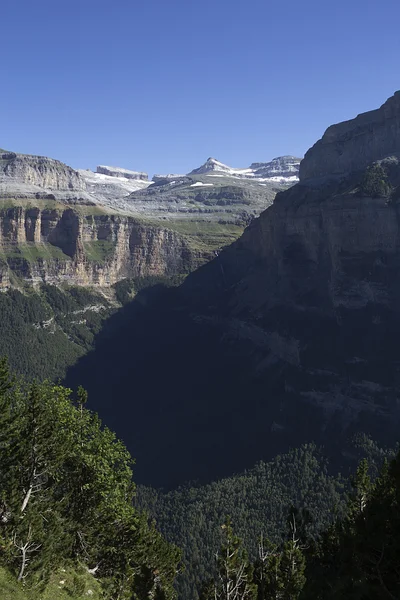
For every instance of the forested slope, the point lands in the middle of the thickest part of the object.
(66, 500)
(258, 502)
(46, 330)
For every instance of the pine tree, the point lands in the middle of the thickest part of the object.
(279, 570)
(234, 578)
(66, 494)
(267, 570)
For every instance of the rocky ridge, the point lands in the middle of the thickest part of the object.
(111, 190)
(19, 173)
(283, 169)
(210, 198)
(125, 173)
(215, 192)
(351, 146)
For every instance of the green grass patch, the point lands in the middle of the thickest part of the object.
(32, 252)
(27, 203)
(201, 234)
(49, 204)
(87, 210)
(66, 584)
(205, 235)
(99, 251)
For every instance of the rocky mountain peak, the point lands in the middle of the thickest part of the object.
(283, 169)
(353, 145)
(211, 164)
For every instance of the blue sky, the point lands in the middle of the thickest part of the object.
(161, 85)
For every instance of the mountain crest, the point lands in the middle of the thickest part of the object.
(353, 145)
(283, 169)
(211, 164)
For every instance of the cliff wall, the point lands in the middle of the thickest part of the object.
(319, 271)
(39, 171)
(56, 245)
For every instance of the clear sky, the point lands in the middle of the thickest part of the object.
(161, 85)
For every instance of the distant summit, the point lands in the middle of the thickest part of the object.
(119, 172)
(283, 169)
(212, 164)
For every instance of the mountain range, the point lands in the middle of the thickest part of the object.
(58, 224)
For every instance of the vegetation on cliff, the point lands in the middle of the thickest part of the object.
(43, 332)
(376, 183)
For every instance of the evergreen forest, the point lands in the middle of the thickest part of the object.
(73, 524)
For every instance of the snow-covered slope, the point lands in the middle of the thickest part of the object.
(111, 187)
(213, 165)
(213, 192)
(119, 172)
(283, 169)
(169, 177)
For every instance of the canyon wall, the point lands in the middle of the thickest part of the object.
(319, 271)
(290, 335)
(57, 245)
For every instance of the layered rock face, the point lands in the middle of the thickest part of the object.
(205, 198)
(285, 167)
(118, 172)
(56, 245)
(352, 145)
(39, 171)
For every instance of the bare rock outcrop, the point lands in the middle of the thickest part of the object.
(39, 171)
(350, 146)
(119, 172)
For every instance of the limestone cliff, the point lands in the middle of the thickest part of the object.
(39, 171)
(309, 297)
(68, 245)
